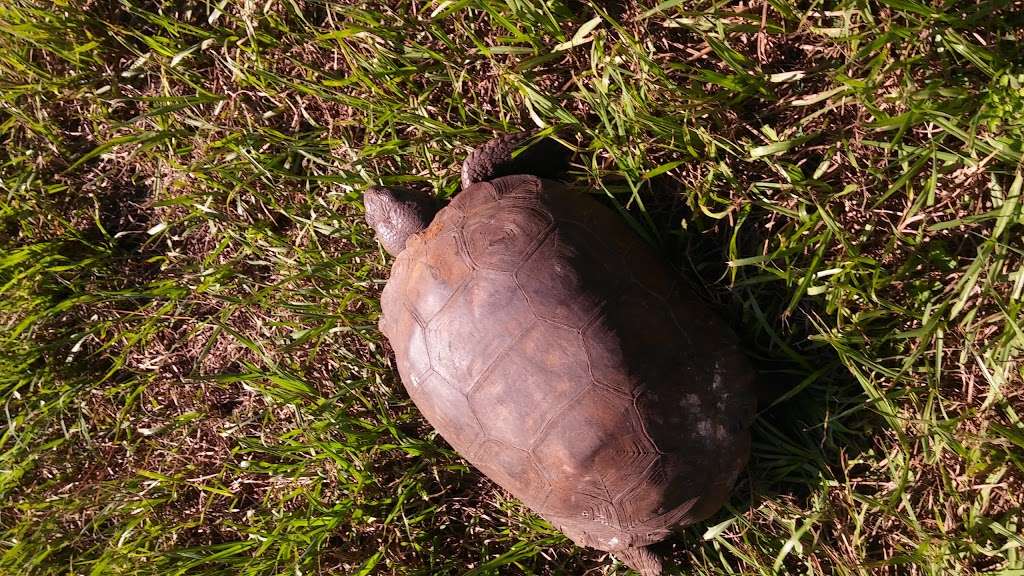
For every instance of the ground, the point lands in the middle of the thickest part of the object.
(191, 373)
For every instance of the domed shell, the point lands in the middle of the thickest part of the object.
(548, 345)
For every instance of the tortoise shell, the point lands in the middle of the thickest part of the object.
(548, 345)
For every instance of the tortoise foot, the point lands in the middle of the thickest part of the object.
(641, 559)
(546, 158)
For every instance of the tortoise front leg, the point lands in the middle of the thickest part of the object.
(546, 158)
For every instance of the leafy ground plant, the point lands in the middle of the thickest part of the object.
(191, 375)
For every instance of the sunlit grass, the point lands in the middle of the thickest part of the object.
(191, 373)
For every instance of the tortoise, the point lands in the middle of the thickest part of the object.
(547, 343)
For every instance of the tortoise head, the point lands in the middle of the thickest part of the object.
(395, 214)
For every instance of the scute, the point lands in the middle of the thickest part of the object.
(437, 274)
(500, 236)
(447, 409)
(565, 502)
(671, 485)
(486, 315)
(544, 363)
(631, 327)
(408, 339)
(596, 444)
(477, 196)
(633, 452)
(514, 470)
(729, 374)
(570, 275)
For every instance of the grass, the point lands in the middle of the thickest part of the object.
(192, 379)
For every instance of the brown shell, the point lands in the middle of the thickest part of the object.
(547, 344)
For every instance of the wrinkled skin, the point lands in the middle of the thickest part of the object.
(396, 214)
